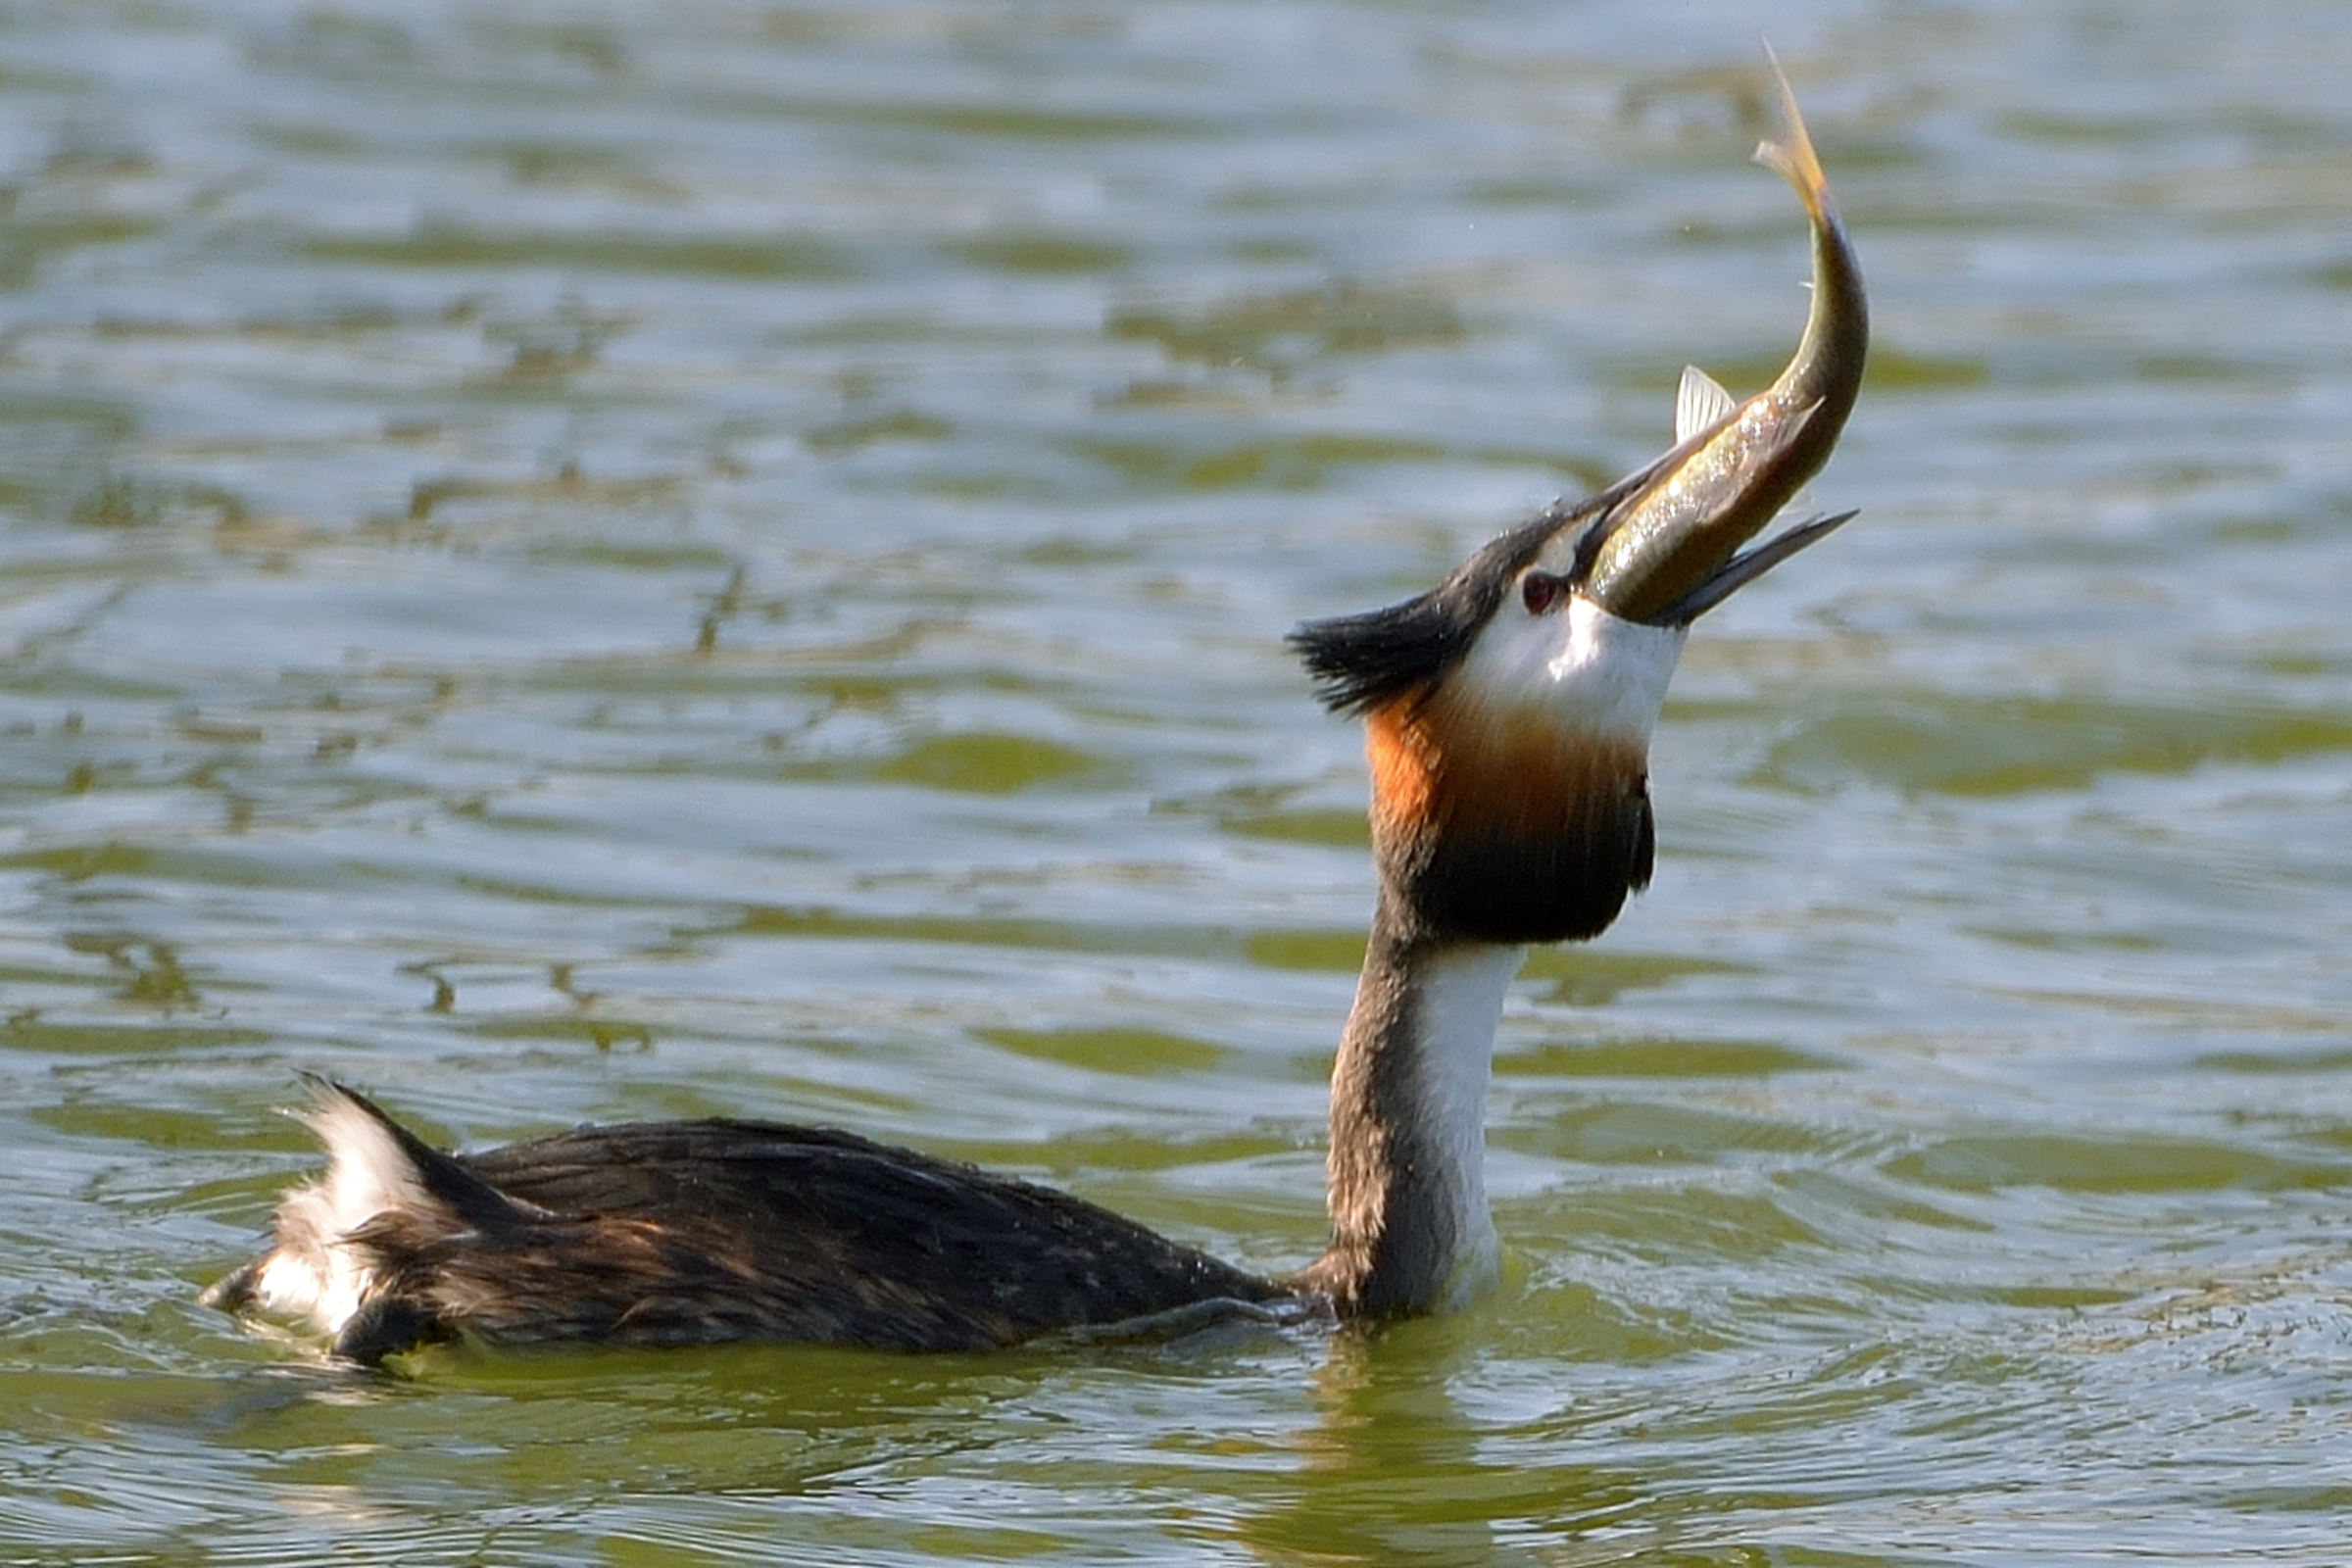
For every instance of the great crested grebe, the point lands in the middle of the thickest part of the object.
(1509, 713)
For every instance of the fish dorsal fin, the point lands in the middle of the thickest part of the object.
(1698, 403)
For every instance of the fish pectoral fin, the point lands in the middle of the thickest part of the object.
(1794, 425)
(1700, 404)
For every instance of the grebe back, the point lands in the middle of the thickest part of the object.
(1507, 717)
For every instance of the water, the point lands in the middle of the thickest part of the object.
(578, 563)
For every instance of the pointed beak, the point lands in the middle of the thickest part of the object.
(1676, 574)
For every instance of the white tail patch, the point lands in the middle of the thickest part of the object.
(313, 1271)
(1700, 404)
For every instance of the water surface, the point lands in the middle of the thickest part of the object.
(583, 563)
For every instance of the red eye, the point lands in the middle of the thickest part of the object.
(1539, 591)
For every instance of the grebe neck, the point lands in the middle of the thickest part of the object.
(1407, 1191)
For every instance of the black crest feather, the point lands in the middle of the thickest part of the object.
(1363, 662)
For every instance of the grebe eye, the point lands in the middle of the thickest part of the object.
(1539, 591)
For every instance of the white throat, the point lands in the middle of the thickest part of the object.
(1602, 674)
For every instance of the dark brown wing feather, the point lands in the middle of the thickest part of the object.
(692, 1232)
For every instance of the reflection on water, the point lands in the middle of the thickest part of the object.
(659, 561)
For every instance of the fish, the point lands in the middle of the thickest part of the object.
(1663, 545)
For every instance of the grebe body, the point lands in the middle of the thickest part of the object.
(696, 1232)
(1507, 717)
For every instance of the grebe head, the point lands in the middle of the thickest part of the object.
(1509, 713)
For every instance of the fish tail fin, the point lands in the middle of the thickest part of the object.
(1792, 157)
